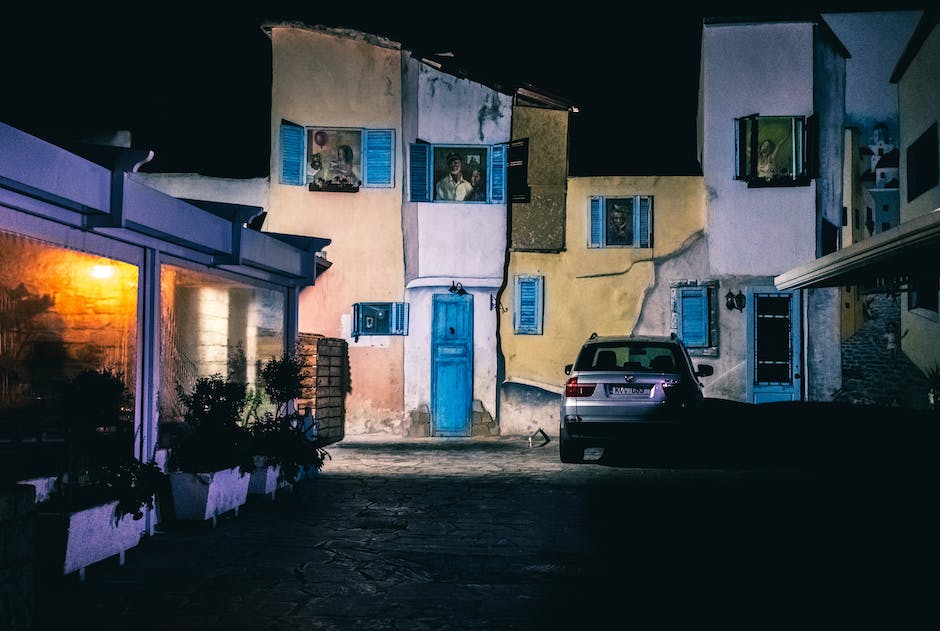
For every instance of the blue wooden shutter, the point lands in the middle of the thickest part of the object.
(419, 176)
(497, 174)
(693, 316)
(528, 305)
(399, 318)
(597, 230)
(645, 221)
(378, 152)
(292, 154)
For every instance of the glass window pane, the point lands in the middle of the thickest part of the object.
(61, 312)
(214, 325)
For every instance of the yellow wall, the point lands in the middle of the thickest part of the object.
(328, 79)
(597, 290)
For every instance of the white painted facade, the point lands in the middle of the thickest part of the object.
(753, 234)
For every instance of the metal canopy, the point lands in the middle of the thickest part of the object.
(884, 262)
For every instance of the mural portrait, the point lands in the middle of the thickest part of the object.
(620, 221)
(334, 158)
(774, 149)
(460, 174)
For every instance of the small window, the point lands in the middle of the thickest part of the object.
(380, 318)
(923, 293)
(337, 159)
(451, 173)
(621, 222)
(695, 315)
(775, 150)
(528, 300)
(922, 164)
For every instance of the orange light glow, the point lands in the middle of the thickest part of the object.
(102, 271)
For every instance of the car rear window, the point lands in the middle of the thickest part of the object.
(651, 356)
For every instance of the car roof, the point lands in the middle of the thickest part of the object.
(631, 338)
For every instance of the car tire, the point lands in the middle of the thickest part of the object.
(570, 451)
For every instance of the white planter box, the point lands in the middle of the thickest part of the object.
(91, 535)
(264, 479)
(202, 496)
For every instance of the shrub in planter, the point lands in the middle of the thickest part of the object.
(281, 438)
(96, 502)
(211, 461)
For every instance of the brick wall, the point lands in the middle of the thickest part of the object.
(325, 383)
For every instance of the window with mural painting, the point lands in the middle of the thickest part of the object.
(458, 173)
(775, 150)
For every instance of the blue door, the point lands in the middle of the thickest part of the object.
(451, 364)
(775, 343)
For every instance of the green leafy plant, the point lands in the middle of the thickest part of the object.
(214, 438)
(100, 466)
(282, 438)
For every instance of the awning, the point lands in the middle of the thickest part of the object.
(884, 262)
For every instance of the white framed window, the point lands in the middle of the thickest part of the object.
(620, 222)
(528, 302)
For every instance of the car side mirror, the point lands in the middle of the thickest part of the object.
(568, 369)
(704, 370)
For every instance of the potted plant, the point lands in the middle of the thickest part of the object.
(210, 463)
(282, 440)
(94, 509)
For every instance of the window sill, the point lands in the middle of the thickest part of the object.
(333, 188)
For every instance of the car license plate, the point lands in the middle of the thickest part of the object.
(629, 390)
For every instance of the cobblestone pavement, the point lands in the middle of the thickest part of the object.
(870, 375)
(494, 534)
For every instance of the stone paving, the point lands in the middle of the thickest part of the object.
(490, 533)
(870, 376)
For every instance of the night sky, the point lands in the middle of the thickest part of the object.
(194, 85)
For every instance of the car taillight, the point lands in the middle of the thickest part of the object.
(575, 389)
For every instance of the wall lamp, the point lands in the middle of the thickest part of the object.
(733, 301)
(457, 288)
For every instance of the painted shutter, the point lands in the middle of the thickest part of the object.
(399, 318)
(596, 230)
(497, 174)
(528, 299)
(645, 223)
(378, 149)
(693, 314)
(292, 154)
(419, 176)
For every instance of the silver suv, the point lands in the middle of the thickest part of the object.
(621, 383)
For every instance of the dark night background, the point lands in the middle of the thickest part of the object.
(193, 82)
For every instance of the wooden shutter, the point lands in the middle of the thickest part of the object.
(378, 151)
(645, 222)
(420, 172)
(517, 171)
(693, 316)
(497, 174)
(596, 231)
(528, 305)
(292, 154)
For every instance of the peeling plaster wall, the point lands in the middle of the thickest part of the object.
(452, 242)
(602, 290)
(762, 231)
(334, 78)
(540, 224)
